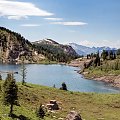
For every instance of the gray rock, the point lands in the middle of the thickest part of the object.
(73, 115)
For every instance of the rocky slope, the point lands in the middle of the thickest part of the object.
(13, 47)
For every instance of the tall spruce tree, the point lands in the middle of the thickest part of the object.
(97, 60)
(0, 77)
(104, 54)
(111, 55)
(10, 96)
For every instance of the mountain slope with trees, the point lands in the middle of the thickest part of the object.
(104, 67)
(55, 51)
(13, 46)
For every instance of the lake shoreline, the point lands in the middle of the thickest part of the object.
(112, 80)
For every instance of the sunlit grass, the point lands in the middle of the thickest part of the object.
(91, 106)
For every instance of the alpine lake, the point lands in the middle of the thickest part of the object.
(55, 75)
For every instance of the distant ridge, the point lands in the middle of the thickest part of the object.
(55, 51)
(83, 50)
(46, 41)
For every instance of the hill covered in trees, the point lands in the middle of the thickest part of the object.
(104, 67)
(55, 51)
(13, 46)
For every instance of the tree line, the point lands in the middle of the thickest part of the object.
(107, 60)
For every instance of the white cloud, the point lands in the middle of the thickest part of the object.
(54, 19)
(100, 43)
(70, 23)
(30, 25)
(20, 9)
(17, 17)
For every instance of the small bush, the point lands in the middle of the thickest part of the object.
(64, 86)
(40, 112)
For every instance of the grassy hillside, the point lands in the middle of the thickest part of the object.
(108, 67)
(91, 106)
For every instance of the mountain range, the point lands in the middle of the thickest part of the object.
(13, 46)
(83, 50)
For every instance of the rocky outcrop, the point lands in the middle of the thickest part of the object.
(13, 47)
(73, 115)
(53, 105)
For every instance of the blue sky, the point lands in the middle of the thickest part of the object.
(86, 22)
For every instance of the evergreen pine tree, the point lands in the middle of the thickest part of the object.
(8, 78)
(114, 56)
(97, 60)
(111, 55)
(104, 54)
(10, 92)
(0, 77)
(118, 52)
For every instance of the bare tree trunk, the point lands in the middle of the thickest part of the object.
(11, 109)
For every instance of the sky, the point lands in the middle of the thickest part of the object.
(85, 22)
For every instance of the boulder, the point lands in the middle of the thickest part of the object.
(53, 105)
(73, 115)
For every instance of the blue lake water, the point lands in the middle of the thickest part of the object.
(48, 75)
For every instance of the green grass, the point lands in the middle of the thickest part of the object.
(46, 61)
(107, 68)
(97, 72)
(91, 106)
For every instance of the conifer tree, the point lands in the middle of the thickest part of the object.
(111, 55)
(0, 77)
(118, 51)
(104, 54)
(10, 92)
(114, 56)
(97, 60)
(8, 78)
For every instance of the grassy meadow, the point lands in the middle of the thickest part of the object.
(91, 106)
